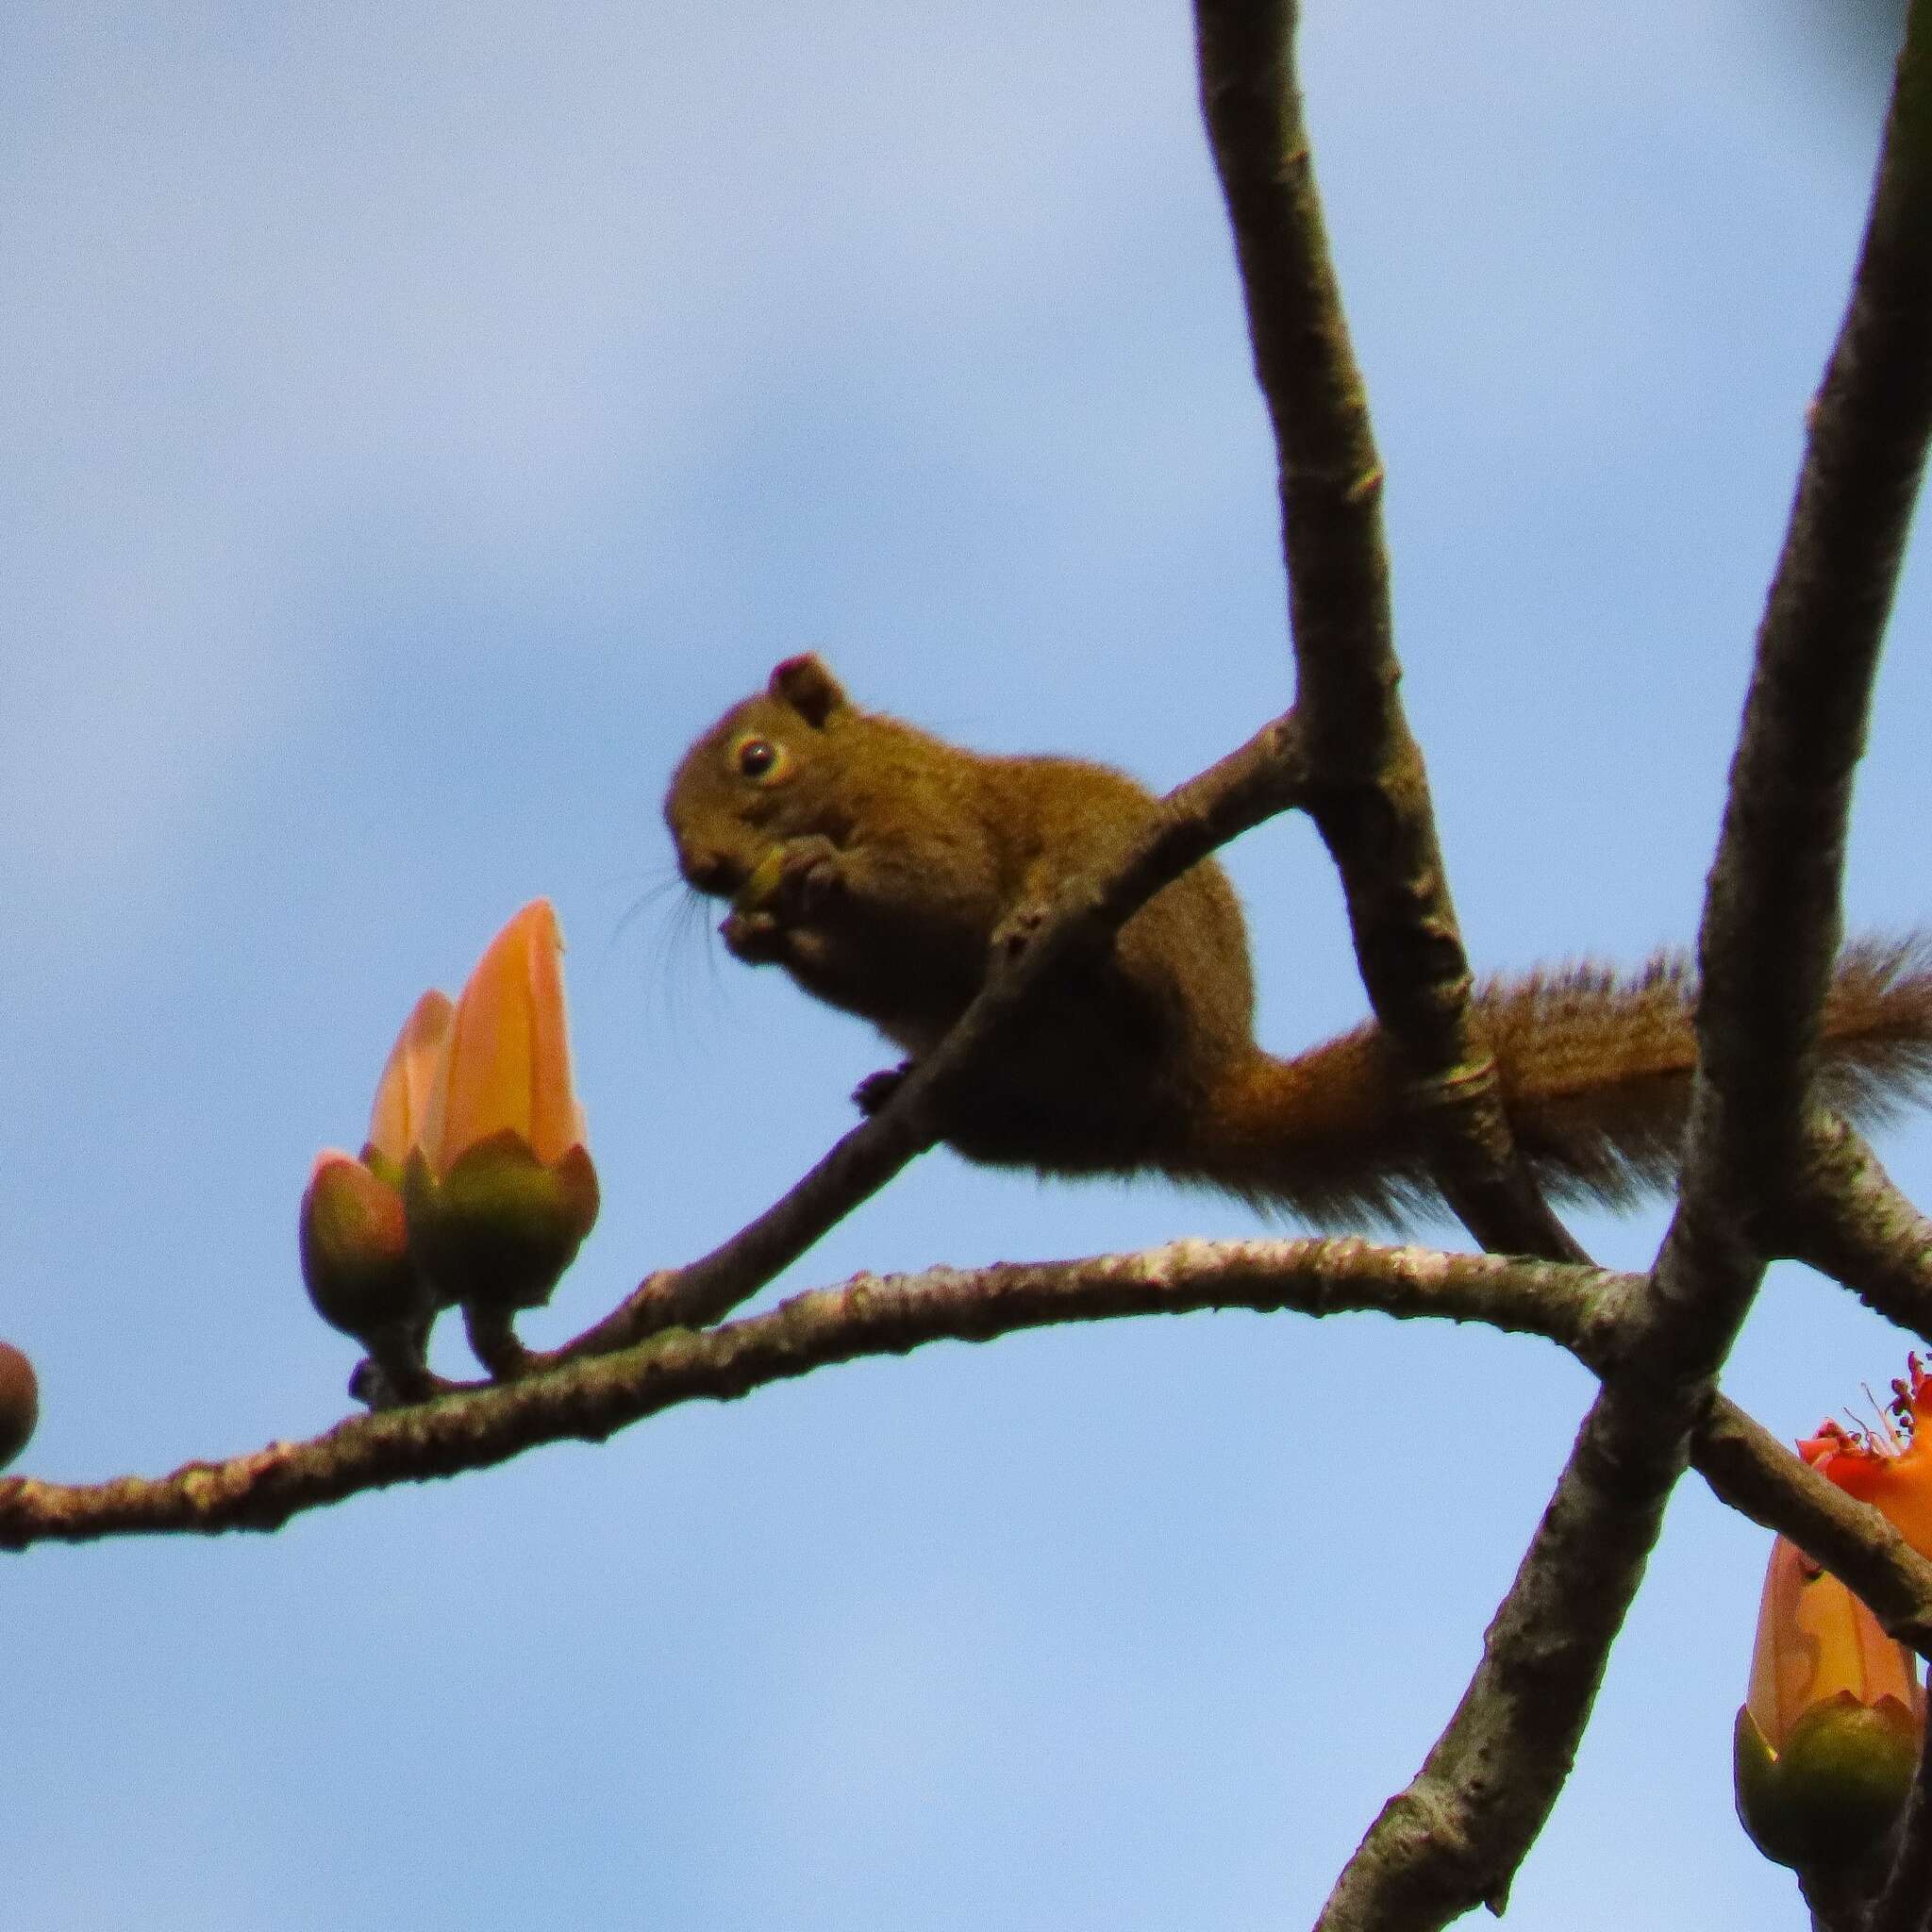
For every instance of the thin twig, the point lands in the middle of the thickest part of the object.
(1255, 782)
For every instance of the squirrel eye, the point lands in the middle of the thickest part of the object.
(758, 758)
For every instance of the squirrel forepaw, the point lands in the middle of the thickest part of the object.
(756, 937)
(873, 1092)
(809, 877)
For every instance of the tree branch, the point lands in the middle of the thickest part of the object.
(1851, 1222)
(1904, 1901)
(1770, 933)
(592, 1396)
(1747, 1467)
(1369, 792)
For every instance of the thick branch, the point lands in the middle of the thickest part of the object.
(1370, 792)
(593, 1396)
(1454, 1837)
(1771, 932)
(1905, 1902)
(1772, 922)
(1755, 1157)
(1457, 1833)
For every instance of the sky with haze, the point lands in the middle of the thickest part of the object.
(420, 421)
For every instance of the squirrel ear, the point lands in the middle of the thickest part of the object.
(808, 687)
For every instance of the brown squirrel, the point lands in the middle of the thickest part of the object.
(881, 867)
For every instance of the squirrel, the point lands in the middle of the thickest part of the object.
(884, 868)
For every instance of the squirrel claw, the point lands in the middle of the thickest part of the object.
(872, 1092)
(1015, 933)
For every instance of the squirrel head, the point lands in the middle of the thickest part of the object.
(764, 773)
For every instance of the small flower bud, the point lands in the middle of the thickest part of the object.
(20, 1401)
(402, 1094)
(355, 1243)
(354, 1235)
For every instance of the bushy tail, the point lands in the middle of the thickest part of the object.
(1595, 1070)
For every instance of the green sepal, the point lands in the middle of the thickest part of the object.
(1836, 1787)
(499, 1229)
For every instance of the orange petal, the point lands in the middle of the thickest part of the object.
(556, 1120)
(402, 1095)
(1897, 1482)
(1815, 1641)
(508, 1067)
(1899, 1486)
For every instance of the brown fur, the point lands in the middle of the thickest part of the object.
(879, 865)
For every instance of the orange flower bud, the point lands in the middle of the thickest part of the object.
(1825, 1746)
(501, 1191)
(20, 1401)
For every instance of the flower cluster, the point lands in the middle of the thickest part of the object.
(1825, 1745)
(1889, 1466)
(475, 1185)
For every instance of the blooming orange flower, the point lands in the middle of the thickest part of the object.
(1889, 1467)
(500, 1186)
(1826, 1743)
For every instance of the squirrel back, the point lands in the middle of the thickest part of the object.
(883, 868)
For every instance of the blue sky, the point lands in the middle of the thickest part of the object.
(420, 422)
